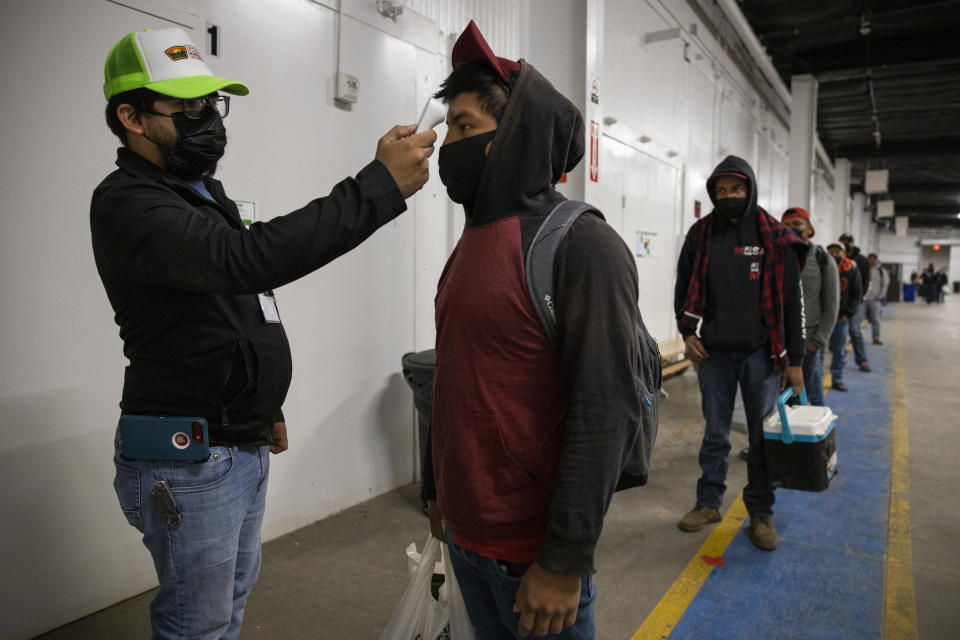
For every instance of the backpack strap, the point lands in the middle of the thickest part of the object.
(821, 256)
(540, 257)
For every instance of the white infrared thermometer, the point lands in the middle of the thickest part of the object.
(434, 112)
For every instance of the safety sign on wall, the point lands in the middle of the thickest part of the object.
(646, 244)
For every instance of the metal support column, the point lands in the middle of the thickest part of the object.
(803, 129)
(841, 180)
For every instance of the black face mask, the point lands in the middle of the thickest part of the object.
(839, 259)
(200, 145)
(461, 164)
(731, 208)
(796, 232)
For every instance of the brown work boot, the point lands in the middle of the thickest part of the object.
(761, 533)
(698, 518)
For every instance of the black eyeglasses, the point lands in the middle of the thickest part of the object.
(193, 108)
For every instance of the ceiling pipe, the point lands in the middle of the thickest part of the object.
(740, 24)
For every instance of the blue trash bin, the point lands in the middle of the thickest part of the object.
(909, 292)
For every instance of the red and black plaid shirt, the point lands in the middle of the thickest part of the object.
(776, 240)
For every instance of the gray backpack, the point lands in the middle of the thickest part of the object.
(648, 375)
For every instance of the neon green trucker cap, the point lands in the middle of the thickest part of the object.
(165, 61)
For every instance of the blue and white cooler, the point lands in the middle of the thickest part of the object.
(799, 446)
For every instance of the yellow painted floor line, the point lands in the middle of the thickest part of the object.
(678, 597)
(900, 600)
(665, 616)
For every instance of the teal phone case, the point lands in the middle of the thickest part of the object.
(163, 438)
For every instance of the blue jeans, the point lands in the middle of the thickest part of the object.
(813, 376)
(873, 315)
(838, 349)
(856, 335)
(207, 564)
(489, 590)
(759, 384)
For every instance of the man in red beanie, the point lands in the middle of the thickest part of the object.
(527, 438)
(821, 302)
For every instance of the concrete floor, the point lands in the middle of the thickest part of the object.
(341, 577)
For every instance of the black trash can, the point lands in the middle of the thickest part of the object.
(418, 371)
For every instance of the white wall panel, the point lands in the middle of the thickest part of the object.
(644, 82)
(953, 271)
(824, 212)
(65, 547)
(904, 250)
(738, 126)
(701, 149)
(649, 206)
(499, 21)
(349, 411)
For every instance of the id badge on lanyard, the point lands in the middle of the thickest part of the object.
(268, 305)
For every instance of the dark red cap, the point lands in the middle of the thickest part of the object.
(472, 46)
(798, 212)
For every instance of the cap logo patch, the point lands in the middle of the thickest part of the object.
(178, 52)
(182, 52)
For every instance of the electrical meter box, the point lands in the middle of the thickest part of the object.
(348, 87)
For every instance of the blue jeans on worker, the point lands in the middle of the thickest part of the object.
(838, 349)
(813, 376)
(759, 383)
(873, 316)
(207, 564)
(489, 588)
(856, 334)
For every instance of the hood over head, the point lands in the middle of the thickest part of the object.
(538, 139)
(733, 165)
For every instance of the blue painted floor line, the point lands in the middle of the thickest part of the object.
(826, 578)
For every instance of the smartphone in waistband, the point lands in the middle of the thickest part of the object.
(163, 438)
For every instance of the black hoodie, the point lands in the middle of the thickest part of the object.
(528, 441)
(732, 319)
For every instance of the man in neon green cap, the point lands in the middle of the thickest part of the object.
(191, 288)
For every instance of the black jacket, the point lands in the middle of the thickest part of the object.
(182, 275)
(732, 319)
(851, 291)
(863, 268)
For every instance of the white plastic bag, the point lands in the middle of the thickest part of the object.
(460, 626)
(418, 616)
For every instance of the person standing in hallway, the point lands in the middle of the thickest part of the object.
(930, 284)
(852, 253)
(876, 292)
(192, 292)
(739, 272)
(821, 302)
(527, 438)
(850, 297)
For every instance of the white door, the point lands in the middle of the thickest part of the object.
(649, 223)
